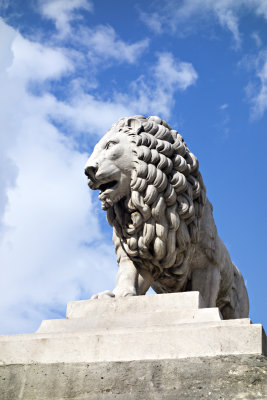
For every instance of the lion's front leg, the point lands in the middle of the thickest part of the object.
(129, 281)
(127, 277)
(126, 282)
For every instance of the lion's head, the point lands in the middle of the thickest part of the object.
(110, 167)
(151, 187)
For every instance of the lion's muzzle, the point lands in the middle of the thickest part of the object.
(90, 171)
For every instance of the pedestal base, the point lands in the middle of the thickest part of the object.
(149, 347)
(213, 378)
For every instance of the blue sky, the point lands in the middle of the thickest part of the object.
(68, 70)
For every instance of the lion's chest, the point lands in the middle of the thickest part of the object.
(164, 279)
(168, 272)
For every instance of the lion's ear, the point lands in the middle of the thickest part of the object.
(135, 124)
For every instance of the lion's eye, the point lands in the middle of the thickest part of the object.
(110, 144)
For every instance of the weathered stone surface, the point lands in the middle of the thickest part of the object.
(132, 321)
(163, 227)
(127, 348)
(121, 344)
(132, 328)
(135, 305)
(216, 378)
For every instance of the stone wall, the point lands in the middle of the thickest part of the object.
(220, 377)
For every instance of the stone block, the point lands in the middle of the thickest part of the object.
(136, 304)
(208, 378)
(119, 344)
(118, 319)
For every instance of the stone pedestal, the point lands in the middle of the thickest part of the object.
(133, 347)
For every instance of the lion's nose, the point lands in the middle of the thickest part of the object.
(90, 170)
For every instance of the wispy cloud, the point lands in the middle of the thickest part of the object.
(182, 17)
(257, 89)
(153, 94)
(103, 43)
(64, 12)
(222, 124)
(152, 20)
(256, 37)
(189, 15)
(172, 74)
(100, 44)
(156, 94)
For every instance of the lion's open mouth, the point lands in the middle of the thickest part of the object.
(108, 185)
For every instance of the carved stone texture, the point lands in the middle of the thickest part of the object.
(163, 228)
(200, 378)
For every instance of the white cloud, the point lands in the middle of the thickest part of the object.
(153, 95)
(104, 43)
(257, 92)
(36, 62)
(224, 106)
(260, 6)
(7, 168)
(63, 12)
(101, 42)
(172, 75)
(50, 216)
(181, 17)
(256, 37)
(152, 20)
(51, 240)
(228, 13)
(229, 20)
(156, 95)
(84, 110)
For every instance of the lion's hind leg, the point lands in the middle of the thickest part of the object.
(207, 282)
(238, 307)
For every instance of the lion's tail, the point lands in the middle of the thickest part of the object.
(239, 295)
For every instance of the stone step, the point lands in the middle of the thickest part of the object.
(131, 321)
(113, 329)
(151, 327)
(120, 344)
(136, 305)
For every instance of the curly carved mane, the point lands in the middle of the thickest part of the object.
(156, 225)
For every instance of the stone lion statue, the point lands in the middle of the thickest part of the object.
(163, 228)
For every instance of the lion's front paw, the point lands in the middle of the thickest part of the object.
(124, 293)
(103, 295)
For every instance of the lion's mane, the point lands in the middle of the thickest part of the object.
(166, 201)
